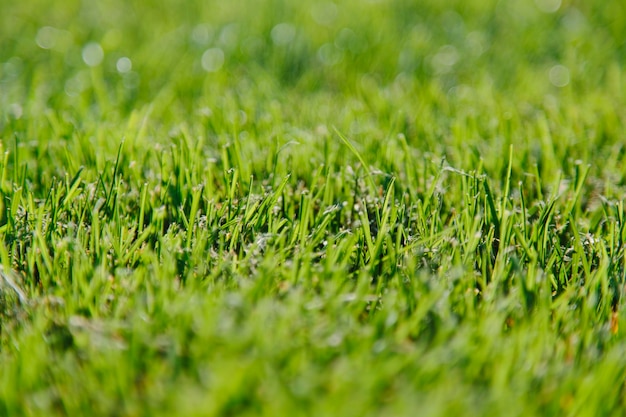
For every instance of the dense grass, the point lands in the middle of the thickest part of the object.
(282, 208)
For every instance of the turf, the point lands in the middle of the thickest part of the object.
(360, 208)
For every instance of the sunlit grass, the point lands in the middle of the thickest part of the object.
(312, 208)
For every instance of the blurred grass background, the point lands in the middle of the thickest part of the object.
(323, 45)
(421, 69)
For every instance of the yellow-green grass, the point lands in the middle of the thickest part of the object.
(281, 208)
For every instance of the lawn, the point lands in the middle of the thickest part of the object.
(307, 208)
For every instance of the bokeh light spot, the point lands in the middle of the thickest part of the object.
(202, 34)
(93, 54)
(212, 59)
(445, 59)
(46, 37)
(324, 13)
(329, 55)
(124, 64)
(548, 6)
(283, 33)
(559, 76)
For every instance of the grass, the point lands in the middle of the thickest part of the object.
(374, 208)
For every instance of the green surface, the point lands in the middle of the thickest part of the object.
(368, 208)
